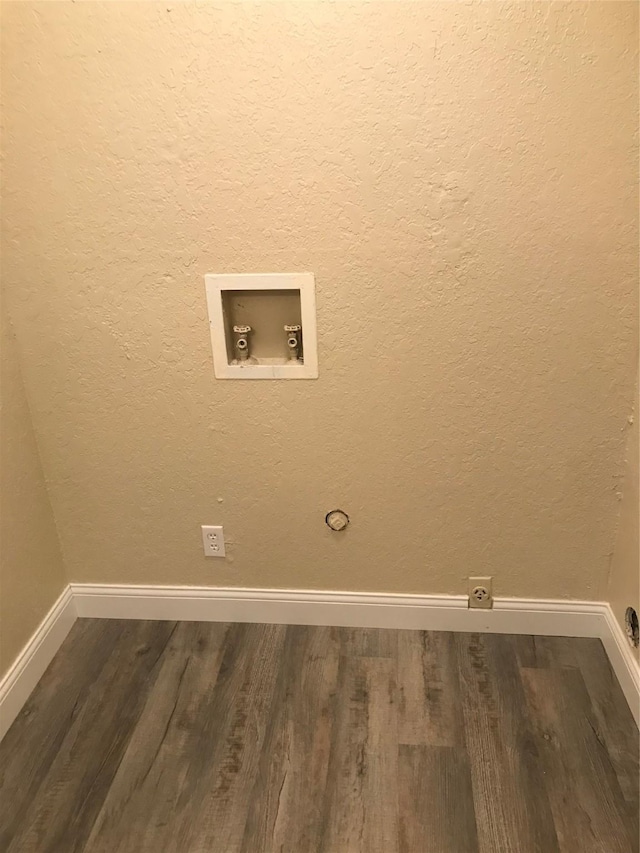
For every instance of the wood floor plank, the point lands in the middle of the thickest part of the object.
(435, 801)
(429, 708)
(62, 813)
(145, 791)
(361, 813)
(588, 807)
(613, 719)
(214, 801)
(35, 738)
(286, 802)
(510, 798)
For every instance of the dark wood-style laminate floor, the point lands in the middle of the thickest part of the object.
(161, 737)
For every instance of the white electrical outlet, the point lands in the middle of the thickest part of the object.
(480, 592)
(213, 541)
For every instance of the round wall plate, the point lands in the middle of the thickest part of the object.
(337, 519)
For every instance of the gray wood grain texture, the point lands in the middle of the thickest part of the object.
(509, 792)
(361, 808)
(434, 790)
(286, 807)
(190, 737)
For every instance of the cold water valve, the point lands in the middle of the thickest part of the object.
(294, 341)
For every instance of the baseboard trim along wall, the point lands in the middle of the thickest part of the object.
(31, 663)
(310, 607)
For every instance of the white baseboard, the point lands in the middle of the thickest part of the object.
(29, 667)
(311, 607)
(315, 607)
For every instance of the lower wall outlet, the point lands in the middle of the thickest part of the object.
(480, 592)
(213, 541)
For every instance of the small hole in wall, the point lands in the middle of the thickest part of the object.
(633, 631)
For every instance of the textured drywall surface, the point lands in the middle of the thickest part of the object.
(460, 177)
(624, 580)
(31, 568)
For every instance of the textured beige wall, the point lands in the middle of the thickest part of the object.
(462, 179)
(31, 570)
(624, 580)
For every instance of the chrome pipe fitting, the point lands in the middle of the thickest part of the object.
(241, 342)
(294, 341)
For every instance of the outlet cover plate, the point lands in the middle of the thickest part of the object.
(480, 593)
(213, 540)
